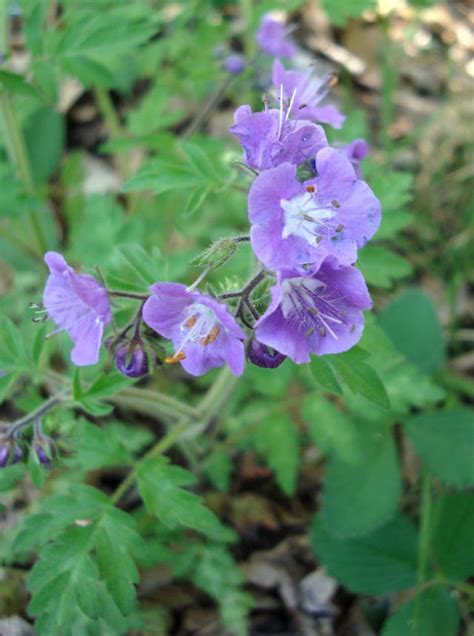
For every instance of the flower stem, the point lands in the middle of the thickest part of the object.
(123, 294)
(15, 427)
(212, 402)
(152, 401)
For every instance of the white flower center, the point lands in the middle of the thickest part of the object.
(305, 217)
(199, 325)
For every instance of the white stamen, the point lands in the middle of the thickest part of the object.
(280, 115)
(290, 105)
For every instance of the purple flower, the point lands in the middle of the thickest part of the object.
(319, 313)
(271, 137)
(234, 64)
(298, 224)
(203, 332)
(263, 356)
(272, 38)
(355, 152)
(78, 304)
(131, 360)
(306, 94)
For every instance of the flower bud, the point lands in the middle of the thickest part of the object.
(10, 453)
(131, 360)
(4, 454)
(234, 64)
(217, 254)
(43, 457)
(263, 356)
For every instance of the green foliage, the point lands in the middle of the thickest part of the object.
(340, 11)
(452, 529)
(195, 171)
(378, 563)
(362, 481)
(276, 439)
(161, 487)
(420, 338)
(44, 136)
(381, 267)
(352, 368)
(85, 573)
(433, 612)
(440, 436)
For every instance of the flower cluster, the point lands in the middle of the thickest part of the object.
(309, 212)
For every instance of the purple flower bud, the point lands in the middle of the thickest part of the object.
(4, 454)
(131, 360)
(234, 64)
(263, 356)
(42, 456)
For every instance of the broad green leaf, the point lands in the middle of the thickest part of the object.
(324, 375)
(432, 612)
(445, 442)
(353, 369)
(412, 323)
(382, 562)
(108, 385)
(452, 530)
(362, 492)
(381, 267)
(44, 137)
(276, 439)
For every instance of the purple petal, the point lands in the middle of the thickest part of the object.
(272, 38)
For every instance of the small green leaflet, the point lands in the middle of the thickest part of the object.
(276, 439)
(161, 486)
(352, 369)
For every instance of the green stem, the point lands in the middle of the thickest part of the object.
(423, 544)
(112, 123)
(425, 523)
(19, 158)
(162, 399)
(155, 407)
(166, 442)
(212, 402)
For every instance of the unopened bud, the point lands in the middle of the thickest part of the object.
(217, 254)
(10, 453)
(131, 360)
(234, 64)
(263, 356)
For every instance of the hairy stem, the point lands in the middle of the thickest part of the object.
(15, 427)
(212, 402)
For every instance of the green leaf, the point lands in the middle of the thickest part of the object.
(330, 429)
(108, 385)
(12, 348)
(324, 375)
(16, 84)
(98, 447)
(133, 268)
(85, 574)
(432, 612)
(340, 11)
(218, 468)
(352, 368)
(412, 324)
(445, 441)
(381, 267)
(276, 439)
(362, 492)
(452, 529)
(44, 138)
(382, 562)
(161, 487)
